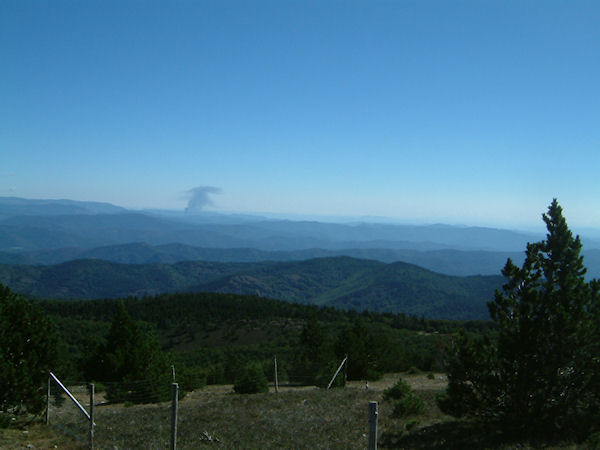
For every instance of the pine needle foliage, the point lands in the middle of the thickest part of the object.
(28, 350)
(129, 355)
(542, 371)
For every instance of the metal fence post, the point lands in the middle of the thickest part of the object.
(346, 370)
(91, 431)
(174, 406)
(373, 425)
(48, 402)
(276, 379)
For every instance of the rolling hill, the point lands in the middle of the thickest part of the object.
(449, 262)
(342, 282)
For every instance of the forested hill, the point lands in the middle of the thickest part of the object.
(447, 261)
(341, 282)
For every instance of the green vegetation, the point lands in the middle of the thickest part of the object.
(541, 374)
(363, 349)
(397, 391)
(252, 380)
(341, 282)
(529, 377)
(130, 354)
(296, 417)
(28, 350)
(410, 405)
(405, 402)
(216, 335)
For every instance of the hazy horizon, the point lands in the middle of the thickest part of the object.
(466, 113)
(538, 228)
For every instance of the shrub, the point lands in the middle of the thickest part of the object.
(406, 402)
(413, 371)
(593, 440)
(409, 405)
(252, 380)
(411, 424)
(397, 391)
(5, 419)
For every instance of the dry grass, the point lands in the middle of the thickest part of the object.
(34, 436)
(312, 418)
(295, 418)
(298, 418)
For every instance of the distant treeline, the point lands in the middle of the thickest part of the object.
(220, 333)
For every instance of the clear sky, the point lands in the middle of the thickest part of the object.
(471, 112)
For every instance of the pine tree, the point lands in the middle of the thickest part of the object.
(131, 354)
(542, 370)
(314, 353)
(28, 351)
(362, 350)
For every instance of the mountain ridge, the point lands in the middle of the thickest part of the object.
(342, 282)
(444, 261)
(34, 225)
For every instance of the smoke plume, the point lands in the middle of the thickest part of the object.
(200, 197)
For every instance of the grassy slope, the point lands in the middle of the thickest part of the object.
(294, 418)
(34, 435)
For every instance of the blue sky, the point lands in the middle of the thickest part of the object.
(471, 112)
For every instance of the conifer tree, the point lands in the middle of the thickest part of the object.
(313, 342)
(542, 370)
(131, 354)
(360, 346)
(28, 351)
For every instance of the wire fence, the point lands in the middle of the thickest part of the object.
(64, 415)
(126, 415)
(139, 415)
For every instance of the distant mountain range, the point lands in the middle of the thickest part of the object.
(28, 225)
(341, 282)
(15, 206)
(54, 231)
(86, 250)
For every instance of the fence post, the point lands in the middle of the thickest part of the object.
(174, 406)
(91, 432)
(373, 425)
(346, 370)
(276, 379)
(48, 402)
